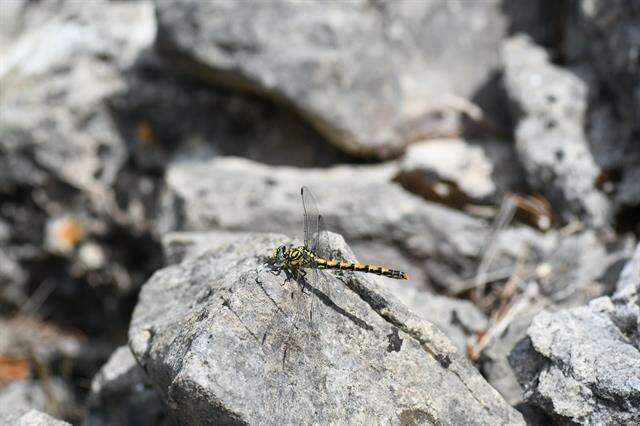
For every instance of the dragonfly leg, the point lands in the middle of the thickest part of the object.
(289, 274)
(300, 275)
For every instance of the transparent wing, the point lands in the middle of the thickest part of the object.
(311, 218)
(313, 240)
(323, 248)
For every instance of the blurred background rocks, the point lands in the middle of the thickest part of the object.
(490, 149)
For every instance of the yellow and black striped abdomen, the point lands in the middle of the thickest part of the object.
(321, 263)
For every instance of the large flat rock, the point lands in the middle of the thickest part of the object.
(224, 347)
(370, 76)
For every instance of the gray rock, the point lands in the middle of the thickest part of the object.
(328, 61)
(436, 245)
(20, 397)
(225, 347)
(13, 278)
(32, 418)
(630, 275)
(494, 362)
(20, 16)
(606, 35)
(578, 269)
(626, 300)
(70, 129)
(578, 366)
(458, 319)
(26, 338)
(361, 202)
(167, 115)
(180, 246)
(563, 271)
(62, 154)
(550, 139)
(616, 149)
(120, 395)
(583, 364)
(456, 172)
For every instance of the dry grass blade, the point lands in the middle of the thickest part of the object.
(504, 217)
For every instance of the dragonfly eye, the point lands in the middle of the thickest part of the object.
(275, 254)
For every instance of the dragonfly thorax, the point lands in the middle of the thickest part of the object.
(278, 255)
(296, 257)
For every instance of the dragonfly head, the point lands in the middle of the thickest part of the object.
(278, 255)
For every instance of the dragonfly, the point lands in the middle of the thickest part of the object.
(315, 253)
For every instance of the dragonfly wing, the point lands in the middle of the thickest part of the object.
(323, 248)
(311, 218)
(312, 240)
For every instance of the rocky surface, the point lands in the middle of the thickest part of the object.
(120, 395)
(33, 418)
(353, 357)
(83, 149)
(458, 319)
(550, 139)
(118, 121)
(371, 77)
(250, 196)
(569, 273)
(583, 365)
(605, 35)
(456, 172)
(20, 397)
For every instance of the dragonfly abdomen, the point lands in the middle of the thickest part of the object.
(360, 267)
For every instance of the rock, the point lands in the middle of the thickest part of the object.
(40, 363)
(605, 35)
(407, 230)
(456, 172)
(578, 269)
(32, 418)
(166, 115)
(630, 275)
(70, 129)
(550, 139)
(63, 148)
(494, 362)
(583, 364)
(251, 196)
(13, 278)
(120, 394)
(542, 20)
(626, 300)
(223, 346)
(344, 55)
(27, 338)
(181, 246)
(456, 318)
(586, 373)
(565, 272)
(22, 396)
